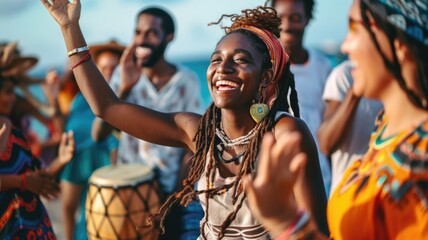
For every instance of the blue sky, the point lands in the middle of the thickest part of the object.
(29, 23)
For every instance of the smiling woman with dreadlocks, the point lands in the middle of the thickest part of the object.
(249, 80)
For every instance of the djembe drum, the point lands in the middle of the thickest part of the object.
(120, 198)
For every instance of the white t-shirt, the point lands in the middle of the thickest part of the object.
(355, 144)
(310, 79)
(181, 94)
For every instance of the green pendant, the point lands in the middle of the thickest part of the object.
(258, 111)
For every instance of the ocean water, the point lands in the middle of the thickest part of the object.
(199, 66)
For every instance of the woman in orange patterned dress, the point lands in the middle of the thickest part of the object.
(385, 194)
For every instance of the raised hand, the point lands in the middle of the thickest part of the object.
(64, 12)
(39, 182)
(52, 85)
(130, 69)
(270, 194)
(66, 147)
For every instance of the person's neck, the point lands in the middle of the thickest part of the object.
(402, 114)
(160, 73)
(298, 55)
(236, 123)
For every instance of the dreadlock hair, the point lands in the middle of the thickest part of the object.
(260, 17)
(417, 49)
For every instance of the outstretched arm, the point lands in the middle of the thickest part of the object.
(100, 128)
(167, 129)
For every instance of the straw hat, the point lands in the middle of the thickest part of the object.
(111, 46)
(12, 64)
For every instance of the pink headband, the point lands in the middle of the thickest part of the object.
(278, 57)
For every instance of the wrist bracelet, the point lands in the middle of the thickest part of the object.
(82, 60)
(77, 50)
(303, 220)
(23, 182)
(299, 222)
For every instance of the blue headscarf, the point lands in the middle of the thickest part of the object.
(410, 16)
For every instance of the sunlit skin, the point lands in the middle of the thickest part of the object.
(107, 63)
(293, 23)
(7, 97)
(147, 52)
(377, 82)
(149, 33)
(234, 72)
(369, 81)
(234, 100)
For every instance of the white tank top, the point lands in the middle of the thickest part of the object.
(245, 226)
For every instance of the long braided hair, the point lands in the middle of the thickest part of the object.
(203, 160)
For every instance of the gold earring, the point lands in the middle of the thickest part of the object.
(258, 111)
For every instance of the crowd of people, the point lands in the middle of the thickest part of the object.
(290, 147)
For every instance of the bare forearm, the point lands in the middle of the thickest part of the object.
(156, 127)
(35, 102)
(92, 84)
(310, 192)
(312, 196)
(100, 130)
(10, 181)
(55, 168)
(336, 125)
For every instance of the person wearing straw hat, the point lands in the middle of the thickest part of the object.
(89, 155)
(22, 180)
(15, 65)
(12, 63)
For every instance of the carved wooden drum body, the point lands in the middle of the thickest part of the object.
(120, 198)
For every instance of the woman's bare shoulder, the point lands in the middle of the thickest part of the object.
(289, 123)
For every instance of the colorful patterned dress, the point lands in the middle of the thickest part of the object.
(384, 195)
(23, 215)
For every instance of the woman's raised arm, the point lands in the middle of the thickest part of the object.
(160, 128)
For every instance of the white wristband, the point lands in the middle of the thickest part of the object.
(77, 50)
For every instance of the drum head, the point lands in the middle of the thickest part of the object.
(121, 175)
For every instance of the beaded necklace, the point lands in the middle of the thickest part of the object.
(226, 142)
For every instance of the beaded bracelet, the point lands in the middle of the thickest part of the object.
(301, 220)
(23, 182)
(77, 50)
(82, 60)
(307, 232)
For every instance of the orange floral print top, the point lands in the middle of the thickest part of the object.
(384, 195)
